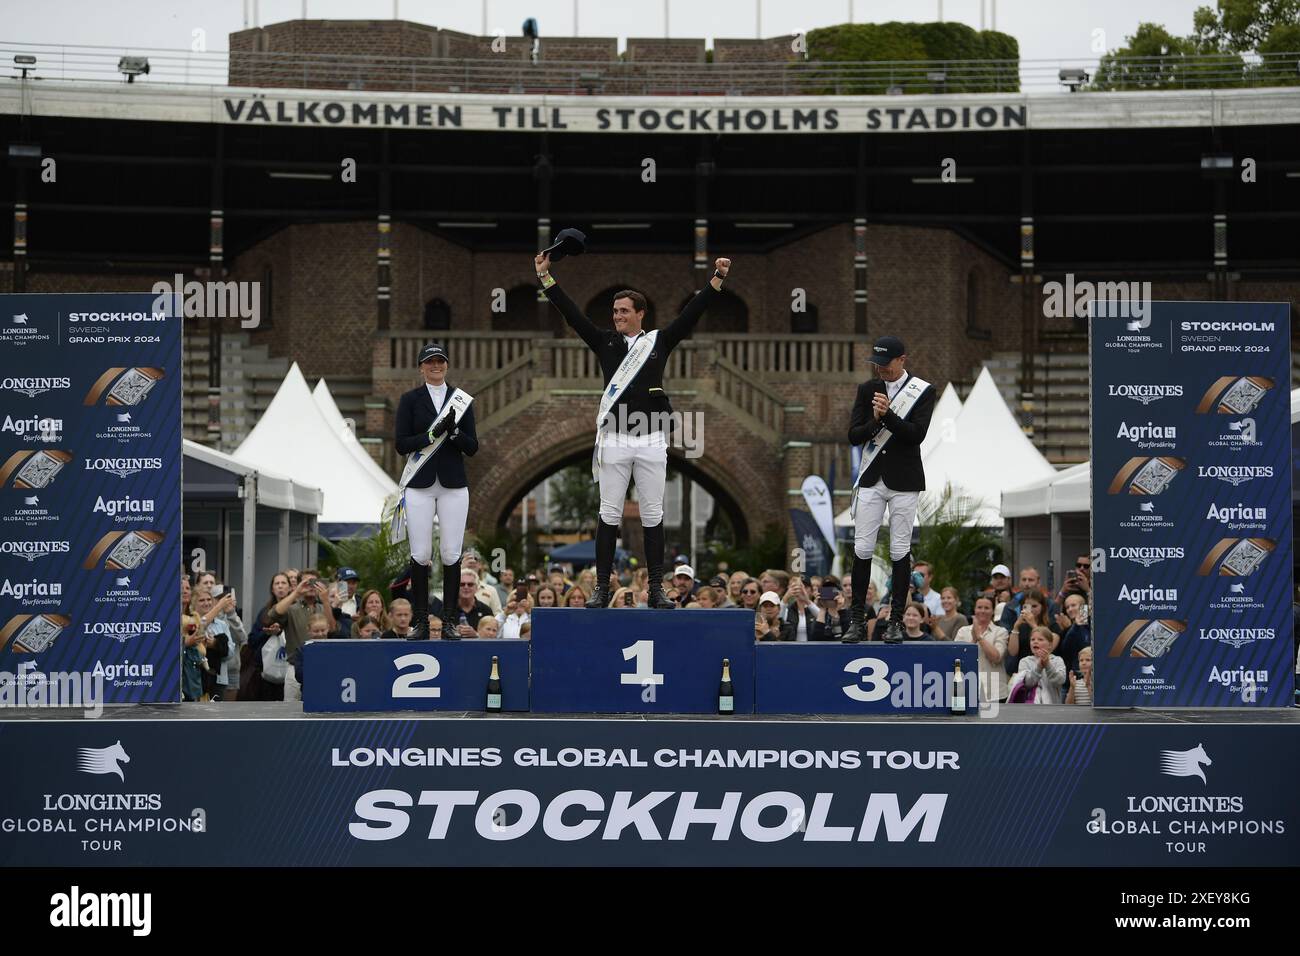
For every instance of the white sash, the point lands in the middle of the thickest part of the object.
(901, 406)
(627, 370)
(394, 513)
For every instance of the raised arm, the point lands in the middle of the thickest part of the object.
(684, 324)
(577, 320)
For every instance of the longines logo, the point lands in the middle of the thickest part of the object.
(21, 330)
(1146, 394)
(1145, 556)
(29, 513)
(1234, 474)
(1237, 636)
(122, 467)
(121, 631)
(1185, 763)
(1239, 434)
(34, 385)
(31, 550)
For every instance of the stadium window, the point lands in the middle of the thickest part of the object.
(805, 322)
(437, 315)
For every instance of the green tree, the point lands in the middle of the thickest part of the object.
(377, 560)
(1246, 26)
(575, 499)
(765, 551)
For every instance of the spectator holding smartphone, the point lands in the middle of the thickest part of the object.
(1076, 633)
(1032, 613)
(1081, 680)
(805, 618)
(516, 618)
(251, 684)
(219, 648)
(294, 612)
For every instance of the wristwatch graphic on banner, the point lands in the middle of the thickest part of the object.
(34, 469)
(1237, 557)
(1234, 395)
(33, 633)
(125, 386)
(123, 550)
(1146, 476)
(1144, 638)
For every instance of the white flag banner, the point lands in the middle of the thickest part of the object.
(818, 498)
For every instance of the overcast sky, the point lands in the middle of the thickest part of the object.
(1046, 29)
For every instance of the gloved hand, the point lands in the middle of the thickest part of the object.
(441, 427)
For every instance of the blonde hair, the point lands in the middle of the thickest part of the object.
(1040, 631)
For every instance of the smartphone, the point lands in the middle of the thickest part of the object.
(521, 591)
(218, 590)
(627, 599)
(233, 599)
(828, 593)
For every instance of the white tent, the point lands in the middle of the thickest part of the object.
(325, 402)
(1063, 492)
(986, 453)
(943, 421)
(293, 437)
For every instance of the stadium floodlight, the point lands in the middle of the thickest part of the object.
(24, 62)
(530, 33)
(133, 66)
(1073, 78)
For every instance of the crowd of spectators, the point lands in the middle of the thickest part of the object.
(1033, 647)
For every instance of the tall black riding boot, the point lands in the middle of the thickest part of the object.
(450, 600)
(858, 605)
(654, 559)
(606, 539)
(419, 601)
(900, 581)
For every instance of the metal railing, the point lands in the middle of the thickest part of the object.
(642, 78)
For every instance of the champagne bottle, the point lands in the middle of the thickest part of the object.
(494, 688)
(958, 689)
(726, 693)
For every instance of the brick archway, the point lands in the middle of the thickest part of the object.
(531, 447)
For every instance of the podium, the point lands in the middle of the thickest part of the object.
(822, 677)
(386, 675)
(640, 661)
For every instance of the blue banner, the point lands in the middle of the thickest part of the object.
(824, 677)
(90, 497)
(817, 551)
(1191, 497)
(520, 792)
(640, 661)
(379, 675)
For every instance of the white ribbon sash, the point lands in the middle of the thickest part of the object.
(627, 370)
(394, 514)
(901, 406)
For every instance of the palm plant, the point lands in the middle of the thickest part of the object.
(376, 559)
(958, 551)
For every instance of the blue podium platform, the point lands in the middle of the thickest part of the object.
(869, 678)
(376, 675)
(626, 661)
